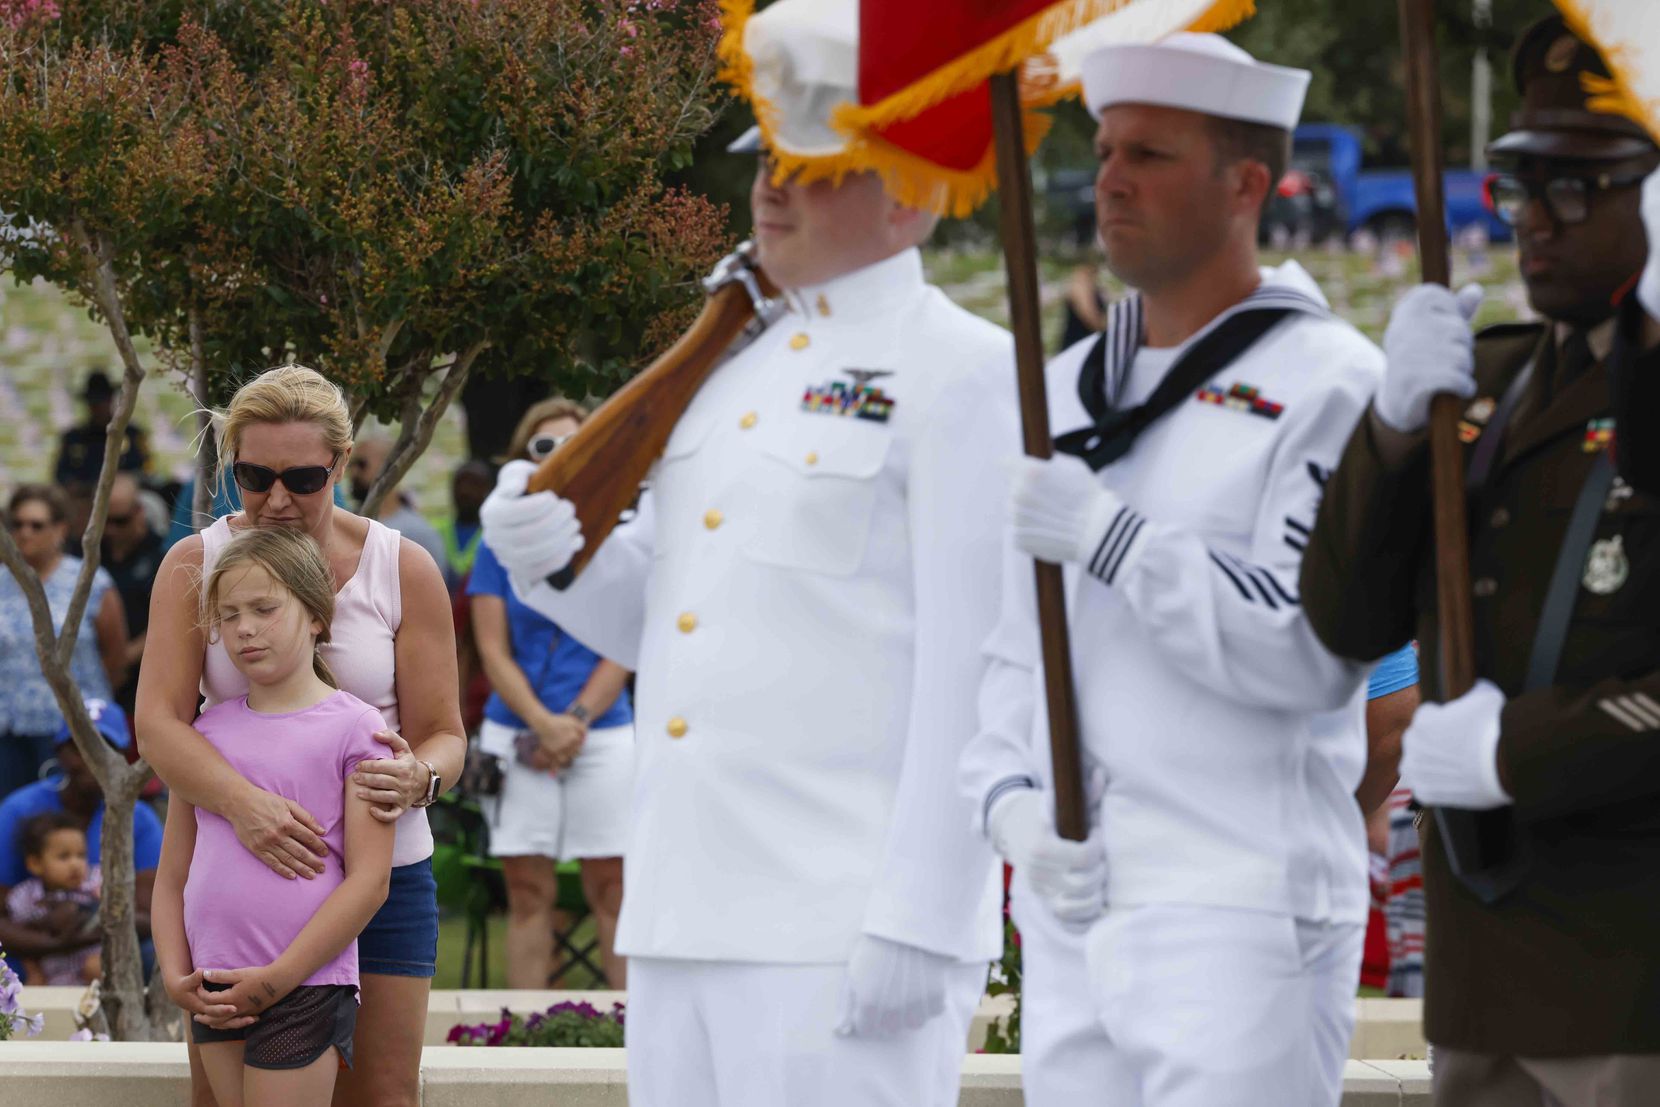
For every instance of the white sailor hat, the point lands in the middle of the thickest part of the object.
(797, 62)
(1204, 73)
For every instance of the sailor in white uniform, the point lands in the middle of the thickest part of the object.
(808, 911)
(1202, 948)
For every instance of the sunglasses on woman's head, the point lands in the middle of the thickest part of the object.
(544, 444)
(301, 480)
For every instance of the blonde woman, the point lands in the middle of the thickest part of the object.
(285, 439)
(562, 723)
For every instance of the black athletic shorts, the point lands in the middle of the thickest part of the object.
(294, 1033)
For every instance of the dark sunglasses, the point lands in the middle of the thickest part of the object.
(1566, 198)
(544, 444)
(27, 524)
(302, 480)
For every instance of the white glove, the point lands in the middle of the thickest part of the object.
(1648, 287)
(890, 987)
(1450, 752)
(1430, 350)
(533, 535)
(1069, 877)
(1060, 510)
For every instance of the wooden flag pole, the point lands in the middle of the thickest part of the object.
(1452, 549)
(1014, 189)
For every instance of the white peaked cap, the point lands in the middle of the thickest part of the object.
(1196, 72)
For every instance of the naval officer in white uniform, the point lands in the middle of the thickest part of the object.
(1223, 888)
(808, 912)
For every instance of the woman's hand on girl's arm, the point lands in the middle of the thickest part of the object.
(391, 785)
(280, 833)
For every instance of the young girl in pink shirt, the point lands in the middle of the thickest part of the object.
(267, 967)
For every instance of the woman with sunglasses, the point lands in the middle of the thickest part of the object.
(285, 439)
(37, 518)
(561, 722)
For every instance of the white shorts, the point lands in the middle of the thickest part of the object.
(736, 1034)
(581, 811)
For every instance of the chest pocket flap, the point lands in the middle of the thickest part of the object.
(820, 480)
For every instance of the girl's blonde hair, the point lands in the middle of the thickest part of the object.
(294, 561)
(286, 394)
(556, 407)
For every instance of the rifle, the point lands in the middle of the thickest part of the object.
(601, 466)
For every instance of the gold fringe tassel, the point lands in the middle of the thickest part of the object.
(1611, 97)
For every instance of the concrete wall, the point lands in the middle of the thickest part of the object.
(99, 1074)
(1390, 1028)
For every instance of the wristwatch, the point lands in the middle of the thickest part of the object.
(434, 785)
(578, 712)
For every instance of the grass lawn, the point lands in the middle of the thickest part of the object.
(452, 943)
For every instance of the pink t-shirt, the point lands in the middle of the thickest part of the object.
(238, 913)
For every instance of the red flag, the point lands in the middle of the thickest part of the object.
(924, 106)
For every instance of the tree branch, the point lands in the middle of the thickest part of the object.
(414, 438)
(100, 274)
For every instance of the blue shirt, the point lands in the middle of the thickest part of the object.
(1396, 671)
(42, 797)
(557, 665)
(27, 705)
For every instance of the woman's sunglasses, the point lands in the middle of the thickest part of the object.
(302, 480)
(544, 444)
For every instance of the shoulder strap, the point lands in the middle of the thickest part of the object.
(1564, 580)
(1115, 432)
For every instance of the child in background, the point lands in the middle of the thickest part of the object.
(266, 965)
(61, 895)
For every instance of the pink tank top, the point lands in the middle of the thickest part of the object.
(367, 614)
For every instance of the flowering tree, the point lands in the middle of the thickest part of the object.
(398, 194)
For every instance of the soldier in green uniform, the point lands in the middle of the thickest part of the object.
(1542, 853)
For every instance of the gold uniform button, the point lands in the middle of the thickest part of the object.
(812, 457)
(1485, 587)
(712, 519)
(799, 341)
(687, 622)
(677, 727)
(748, 420)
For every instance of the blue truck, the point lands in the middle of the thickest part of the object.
(1327, 190)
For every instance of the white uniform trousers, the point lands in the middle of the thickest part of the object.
(1178, 1006)
(741, 1034)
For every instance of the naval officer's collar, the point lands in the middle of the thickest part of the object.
(873, 290)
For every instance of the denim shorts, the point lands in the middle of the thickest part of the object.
(402, 938)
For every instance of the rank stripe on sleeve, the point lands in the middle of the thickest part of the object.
(1120, 536)
(1264, 585)
(1636, 711)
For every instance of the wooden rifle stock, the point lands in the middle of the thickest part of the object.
(600, 467)
(1455, 610)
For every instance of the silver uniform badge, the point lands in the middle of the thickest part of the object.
(1606, 567)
